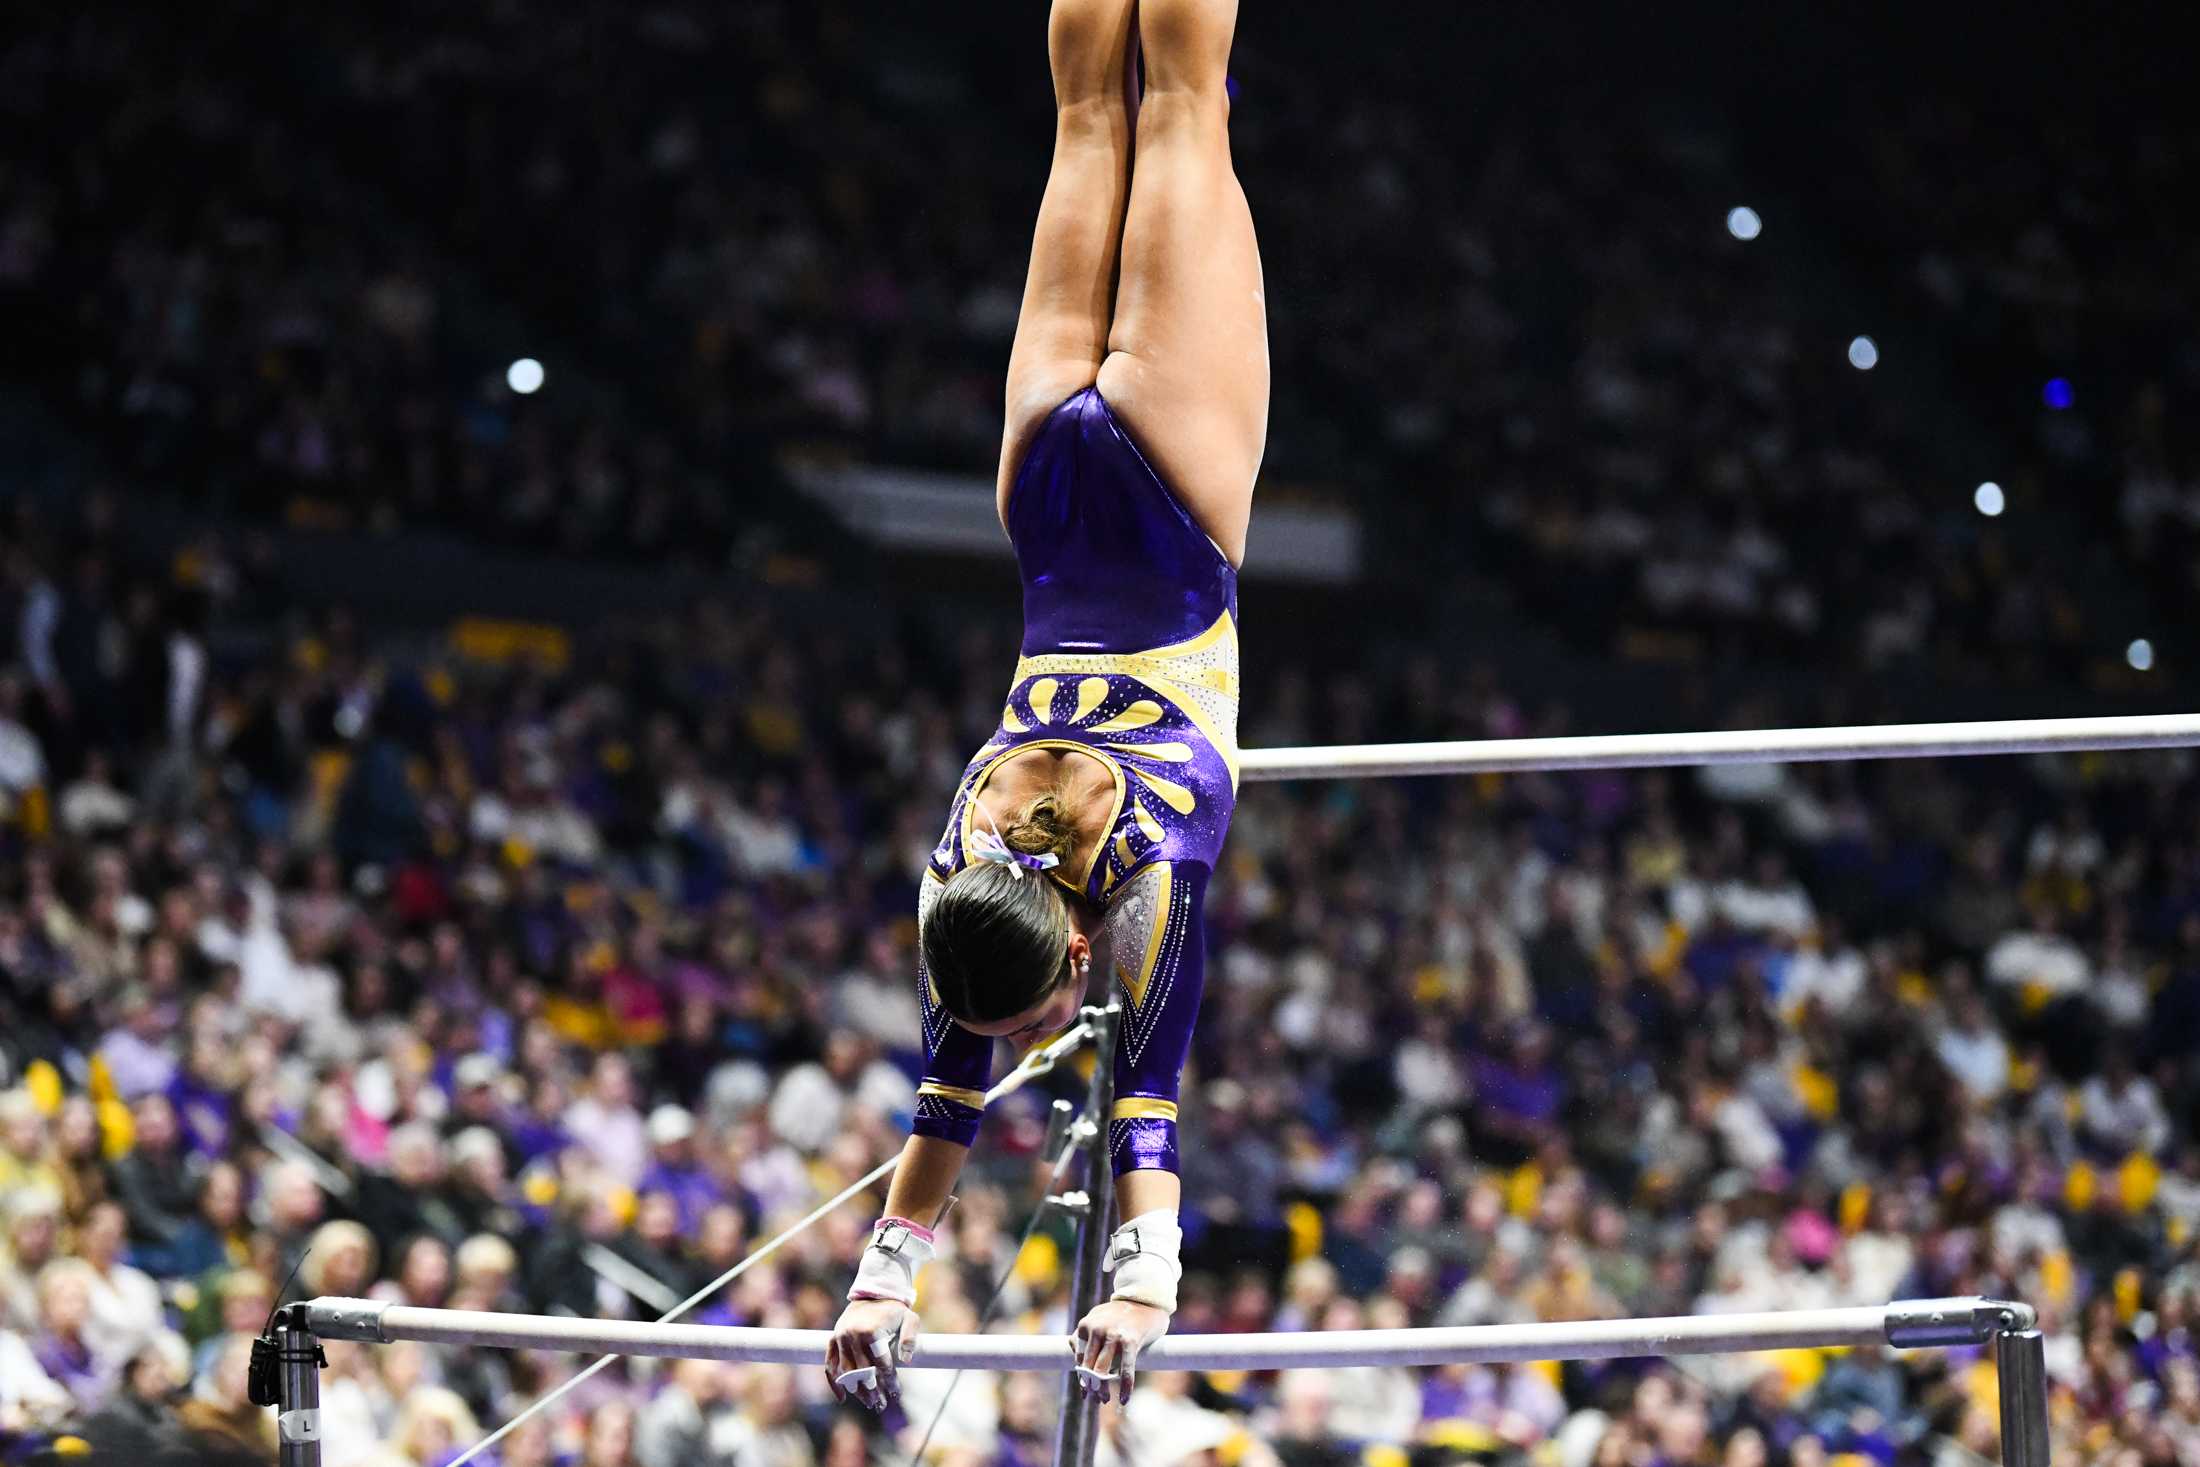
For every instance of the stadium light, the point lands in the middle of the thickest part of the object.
(1863, 353)
(524, 376)
(1744, 222)
(1989, 499)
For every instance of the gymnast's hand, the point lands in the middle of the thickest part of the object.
(874, 1336)
(1108, 1341)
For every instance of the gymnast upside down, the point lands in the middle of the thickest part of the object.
(1137, 412)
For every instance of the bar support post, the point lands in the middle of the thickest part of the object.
(298, 1395)
(1079, 1435)
(2020, 1359)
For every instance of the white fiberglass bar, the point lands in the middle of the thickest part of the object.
(1730, 746)
(1919, 1323)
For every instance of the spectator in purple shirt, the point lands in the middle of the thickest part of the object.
(539, 1131)
(1516, 1095)
(673, 1167)
(204, 1094)
(61, 1347)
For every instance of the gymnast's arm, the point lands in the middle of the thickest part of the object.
(950, 1104)
(1158, 954)
(924, 1178)
(879, 1327)
(1157, 942)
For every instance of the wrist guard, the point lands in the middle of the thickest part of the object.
(898, 1249)
(1143, 1256)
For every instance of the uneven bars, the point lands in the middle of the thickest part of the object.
(1910, 1324)
(1731, 746)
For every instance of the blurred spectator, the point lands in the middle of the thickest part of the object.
(673, 1169)
(152, 1376)
(608, 1125)
(62, 1344)
(123, 1304)
(153, 1180)
(2119, 1111)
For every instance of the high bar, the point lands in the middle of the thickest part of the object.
(1911, 1324)
(1726, 746)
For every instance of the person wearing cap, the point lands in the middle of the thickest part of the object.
(481, 1184)
(413, 1195)
(673, 1167)
(475, 1097)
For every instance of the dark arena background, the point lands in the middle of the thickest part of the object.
(500, 578)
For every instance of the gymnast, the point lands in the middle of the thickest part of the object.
(1137, 412)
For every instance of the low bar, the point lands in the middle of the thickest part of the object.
(1734, 746)
(1960, 1321)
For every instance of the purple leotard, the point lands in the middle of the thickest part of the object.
(1130, 655)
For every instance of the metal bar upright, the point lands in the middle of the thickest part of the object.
(298, 1398)
(1079, 1435)
(2020, 1360)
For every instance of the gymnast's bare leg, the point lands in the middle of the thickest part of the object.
(1069, 289)
(1187, 363)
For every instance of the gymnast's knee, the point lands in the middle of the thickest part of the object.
(1186, 44)
(1087, 44)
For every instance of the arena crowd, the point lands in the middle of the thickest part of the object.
(555, 971)
(556, 982)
